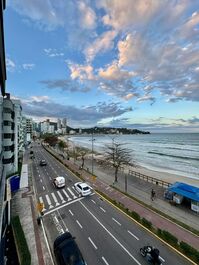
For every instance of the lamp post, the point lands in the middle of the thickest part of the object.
(92, 153)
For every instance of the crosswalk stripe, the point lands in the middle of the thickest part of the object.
(69, 199)
(72, 193)
(60, 196)
(55, 199)
(49, 201)
(41, 201)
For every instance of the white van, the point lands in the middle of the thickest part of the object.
(59, 182)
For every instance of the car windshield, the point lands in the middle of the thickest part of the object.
(71, 254)
(85, 188)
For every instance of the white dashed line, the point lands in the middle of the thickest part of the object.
(71, 212)
(115, 221)
(133, 235)
(93, 201)
(79, 224)
(43, 188)
(103, 209)
(105, 261)
(92, 243)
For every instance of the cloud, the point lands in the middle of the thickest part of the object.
(102, 44)
(53, 53)
(65, 85)
(84, 116)
(28, 66)
(146, 98)
(10, 65)
(88, 16)
(81, 72)
(113, 72)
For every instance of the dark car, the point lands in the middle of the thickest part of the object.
(67, 251)
(43, 163)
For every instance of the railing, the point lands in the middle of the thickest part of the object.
(149, 179)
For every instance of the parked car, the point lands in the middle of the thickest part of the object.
(43, 162)
(83, 188)
(67, 251)
(59, 182)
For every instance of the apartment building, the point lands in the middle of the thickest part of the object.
(3, 203)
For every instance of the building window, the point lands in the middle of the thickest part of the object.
(7, 123)
(9, 148)
(7, 135)
(7, 110)
(8, 160)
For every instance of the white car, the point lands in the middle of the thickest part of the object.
(59, 182)
(83, 188)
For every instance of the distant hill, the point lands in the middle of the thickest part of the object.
(106, 130)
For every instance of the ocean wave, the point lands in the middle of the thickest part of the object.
(180, 157)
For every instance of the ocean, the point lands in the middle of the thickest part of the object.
(176, 153)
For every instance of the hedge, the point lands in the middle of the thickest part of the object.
(21, 244)
(189, 251)
(168, 237)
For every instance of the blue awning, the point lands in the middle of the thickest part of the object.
(185, 190)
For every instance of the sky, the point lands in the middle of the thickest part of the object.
(130, 63)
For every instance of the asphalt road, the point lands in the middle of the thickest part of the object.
(103, 233)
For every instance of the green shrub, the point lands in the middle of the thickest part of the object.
(135, 216)
(189, 251)
(168, 237)
(21, 244)
(146, 223)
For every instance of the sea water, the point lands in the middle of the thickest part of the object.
(176, 153)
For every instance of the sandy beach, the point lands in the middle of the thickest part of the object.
(165, 176)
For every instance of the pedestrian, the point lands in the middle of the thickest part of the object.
(152, 194)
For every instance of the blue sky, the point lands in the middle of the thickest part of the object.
(130, 63)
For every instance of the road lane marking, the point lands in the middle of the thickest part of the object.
(93, 201)
(116, 240)
(43, 188)
(49, 201)
(92, 243)
(102, 209)
(133, 235)
(72, 193)
(79, 224)
(40, 180)
(105, 261)
(60, 196)
(115, 221)
(71, 212)
(68, 198)
(63, 205)
(55, 199)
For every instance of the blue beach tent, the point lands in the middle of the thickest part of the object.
(185, 190)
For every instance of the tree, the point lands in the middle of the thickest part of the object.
(118, 156)
(51, 139)
(62, 145)
(81, 152)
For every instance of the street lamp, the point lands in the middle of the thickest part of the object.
(92, 152)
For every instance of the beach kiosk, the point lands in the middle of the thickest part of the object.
(181, 190)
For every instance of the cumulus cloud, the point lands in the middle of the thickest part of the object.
(81, 72)
(102, 44)
(113, 72)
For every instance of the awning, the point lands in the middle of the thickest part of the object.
(185, 190)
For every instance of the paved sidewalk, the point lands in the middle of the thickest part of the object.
(23, 204)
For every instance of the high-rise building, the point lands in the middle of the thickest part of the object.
(58, 124)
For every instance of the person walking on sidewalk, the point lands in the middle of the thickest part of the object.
(152, 194)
